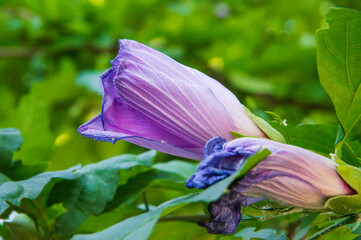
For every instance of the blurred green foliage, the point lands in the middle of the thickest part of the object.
(263, 51)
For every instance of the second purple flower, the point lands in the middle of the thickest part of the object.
(290, 176)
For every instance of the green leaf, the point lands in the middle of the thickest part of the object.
(305, 225)
(328, 228)
(339, 67)
(10, 141)
(266, 127)
(19, 171)
(317, 137)
(32, 115)
(162, 175)
(320, 138)
(349, 203)
(13, 192)
(130, 192)
(107, 219)
(90, 193)
(352, 153)
(344, 233)
(141, 226)
(184, 169)
(275, 116)
(266, 234)
(20, 227)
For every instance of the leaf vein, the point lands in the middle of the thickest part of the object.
(329, 49)
(333, 71)
(347, 57)
(349, 110)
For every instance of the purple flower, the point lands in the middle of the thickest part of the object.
(290, 176)
(152, 101)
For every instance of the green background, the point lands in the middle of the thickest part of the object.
(52, 52)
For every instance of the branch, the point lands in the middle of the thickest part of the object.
(17, 51)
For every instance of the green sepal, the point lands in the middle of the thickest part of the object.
(275, 116)
(337, 160)
(272, 133)
(251, 162)
(237, 134)
(347, 204)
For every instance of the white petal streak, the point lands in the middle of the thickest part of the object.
(183, 83)
(164, 97)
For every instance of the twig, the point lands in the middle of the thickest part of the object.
(145, 202)
(17, 51)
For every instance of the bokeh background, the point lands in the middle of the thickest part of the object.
(53, 51)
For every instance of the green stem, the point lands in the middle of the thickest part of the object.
(346, 221)
(145, 202)
(338, 150)
(289, 141)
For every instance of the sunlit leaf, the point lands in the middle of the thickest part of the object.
(320, 138)
(339, 67)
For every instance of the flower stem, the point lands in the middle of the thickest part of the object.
(145, 202)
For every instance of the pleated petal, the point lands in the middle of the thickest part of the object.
(119, 120)
(155, 102)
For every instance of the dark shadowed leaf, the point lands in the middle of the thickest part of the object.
(163, 175)
(140, 227)
(10, 141)
(93, 190)
(13, 192)
(20, 227)
(320, 138)
(184, 169)
(304, 227)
